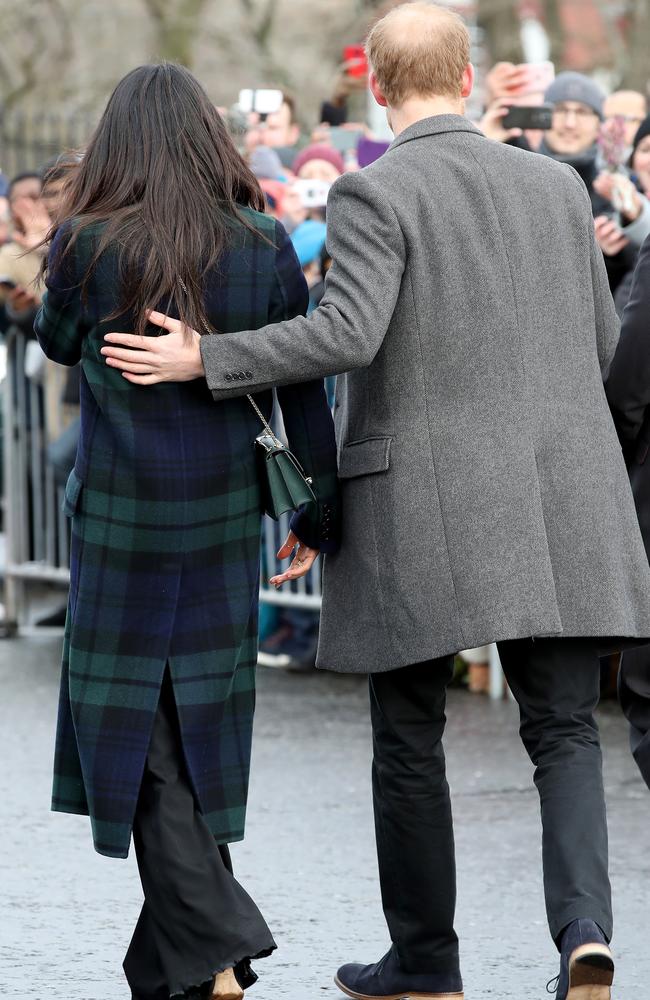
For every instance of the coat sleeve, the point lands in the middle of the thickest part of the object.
(628, 384)
(306, 414)
(57, 324)
(607, 322)
(346, 331)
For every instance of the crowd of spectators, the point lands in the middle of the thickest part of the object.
(604, 137)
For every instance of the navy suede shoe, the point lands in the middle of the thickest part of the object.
(386, 981)
(586, 964)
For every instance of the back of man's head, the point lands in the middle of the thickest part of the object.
(419, 50)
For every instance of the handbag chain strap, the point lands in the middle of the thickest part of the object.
(265, 423)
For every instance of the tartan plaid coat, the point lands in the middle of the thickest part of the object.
(165, 507)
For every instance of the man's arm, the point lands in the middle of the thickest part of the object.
(345, 332)
(607, 322)
(628, 384)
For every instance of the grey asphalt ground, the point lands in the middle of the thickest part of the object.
(67, 913)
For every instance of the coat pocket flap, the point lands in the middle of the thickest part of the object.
(362, 458)
(73, 489)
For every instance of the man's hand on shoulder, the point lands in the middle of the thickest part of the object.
(175, 357)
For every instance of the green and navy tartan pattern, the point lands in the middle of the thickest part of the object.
(165, 508)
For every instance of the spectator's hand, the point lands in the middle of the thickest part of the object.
(609, 236)
(621, 192)
(149, 360)
(491, 124)
(20, 300)
(303, 560)
(33, 220)
(503, 80)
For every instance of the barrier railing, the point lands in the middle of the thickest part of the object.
(36, 530)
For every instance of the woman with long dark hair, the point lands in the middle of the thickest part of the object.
(157, 693)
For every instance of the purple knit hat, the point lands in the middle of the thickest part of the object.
(319, 152)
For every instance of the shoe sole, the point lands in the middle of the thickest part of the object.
(591, 973)
(397, 996)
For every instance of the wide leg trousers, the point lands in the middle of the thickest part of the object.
(556, 683)
(196, 919)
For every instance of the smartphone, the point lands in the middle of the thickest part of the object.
(345, 139)
(7, 283)
(262, 102)
(539, 117)
(355, 60)
(313, 194)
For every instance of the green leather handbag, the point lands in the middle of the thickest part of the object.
(283, 482)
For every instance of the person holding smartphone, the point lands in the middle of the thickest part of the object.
(158, 673)
(577, 115)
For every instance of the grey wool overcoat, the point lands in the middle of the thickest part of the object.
(485, 495)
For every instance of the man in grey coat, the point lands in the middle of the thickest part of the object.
(485, 496)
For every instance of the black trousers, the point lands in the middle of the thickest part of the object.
(556, 683)
(196, 919)
(634, 695)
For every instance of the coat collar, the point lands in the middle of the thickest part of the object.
(434, 126)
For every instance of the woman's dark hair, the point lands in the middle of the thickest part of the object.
(164, 176)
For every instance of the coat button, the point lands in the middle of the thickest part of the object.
(249, 374)
(228, 378)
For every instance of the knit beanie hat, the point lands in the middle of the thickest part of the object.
(319, 152)
(572, 86)
(643, 131)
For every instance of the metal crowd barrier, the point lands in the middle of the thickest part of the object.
(37, 531)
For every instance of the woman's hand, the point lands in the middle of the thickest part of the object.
(303, 560)
(148, 360)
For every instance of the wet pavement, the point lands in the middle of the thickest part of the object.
(309, 855)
